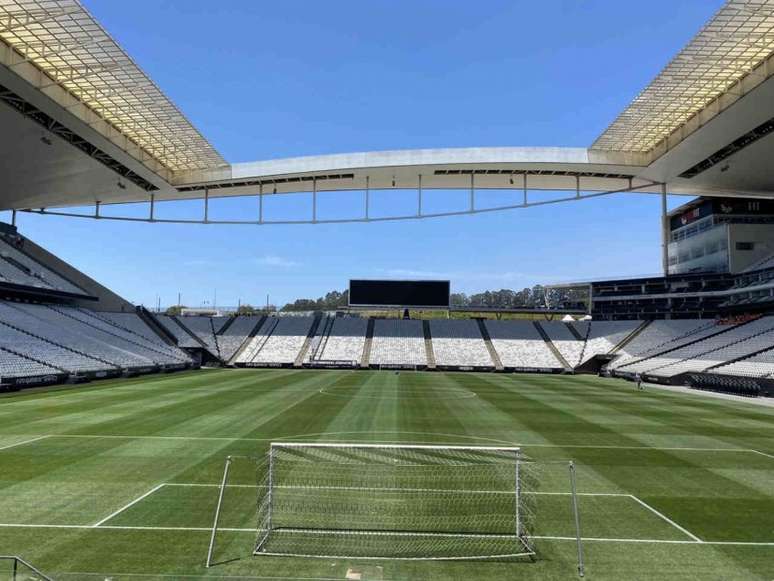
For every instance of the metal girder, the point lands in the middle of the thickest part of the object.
(471, 209)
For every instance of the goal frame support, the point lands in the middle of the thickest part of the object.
(216, 519)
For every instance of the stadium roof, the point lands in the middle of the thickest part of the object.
(729, 55)
(85, 126)
(74, 53)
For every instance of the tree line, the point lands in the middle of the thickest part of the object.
(527, 298)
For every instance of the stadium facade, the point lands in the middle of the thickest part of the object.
(83, 125)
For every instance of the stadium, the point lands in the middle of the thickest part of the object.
(619, 428)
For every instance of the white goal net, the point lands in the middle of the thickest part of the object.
(394, 502)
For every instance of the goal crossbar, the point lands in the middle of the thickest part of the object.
(394, 446)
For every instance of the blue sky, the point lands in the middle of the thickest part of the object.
(268, 80)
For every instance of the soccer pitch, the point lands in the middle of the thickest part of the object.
(120, 479)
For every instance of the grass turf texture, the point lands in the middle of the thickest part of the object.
(661, 456)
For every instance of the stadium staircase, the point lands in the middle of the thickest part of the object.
(226, 325)
(274, 323)
(60, 345)
(214, 336)
(559, 357)
(366, 358)
(489, 347)
(574, 332)
(725, 329)
(429, 353)
(318, 347)
(253, 332)
(626, 340)
(193, 335)
(585, 341)
(150, 319)
(299, 361)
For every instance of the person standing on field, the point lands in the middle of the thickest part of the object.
(638, 379)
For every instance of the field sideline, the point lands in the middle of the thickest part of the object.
(119, 479)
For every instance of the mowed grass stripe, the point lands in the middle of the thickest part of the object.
(78, 477)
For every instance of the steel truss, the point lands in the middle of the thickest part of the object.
(261, 220)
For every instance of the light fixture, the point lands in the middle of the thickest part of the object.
(121, 185)
(46, 140)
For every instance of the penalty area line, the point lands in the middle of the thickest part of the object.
(30, 441)
(252, 531)
(762, 453)
(123, 508)
(666, 519)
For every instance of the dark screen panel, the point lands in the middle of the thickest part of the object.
(399, 293)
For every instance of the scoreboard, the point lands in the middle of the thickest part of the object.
(399, 293)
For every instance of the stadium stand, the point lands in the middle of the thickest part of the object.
(18, 268)
(278, 342)
(760, 365)
(203, 328)
(340, 339)
(218, 323)
(660, 335)
(739, 341)
(132, 323)
(458, 343)
(520, 346)
(184, 337)
(398, 342)
(14, 366)
(78, 341)
(153, 347)
(603, 336)
(37, 347)
(566, 342)
(231, 338)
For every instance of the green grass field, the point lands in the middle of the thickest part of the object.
(97, 481)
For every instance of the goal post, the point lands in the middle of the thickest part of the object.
(394, 501)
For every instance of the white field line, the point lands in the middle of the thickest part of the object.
(385, 489)
(667, 519)
(81, 574)
(763, 454)
(24, 442)
(526, 445)
(252, 531)
(123, 508)
(656, 541)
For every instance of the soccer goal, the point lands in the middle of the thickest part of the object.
(378, 501)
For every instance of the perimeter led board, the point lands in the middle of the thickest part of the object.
(399, 293)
